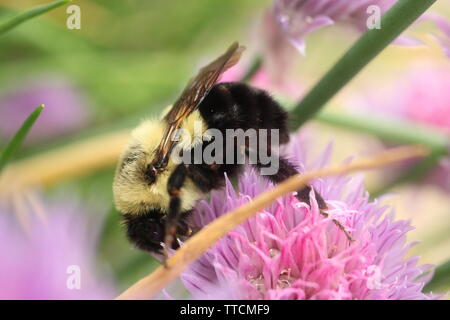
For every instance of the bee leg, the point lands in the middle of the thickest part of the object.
(303, 195)
(286, 170)
(174, 185)
(184, 229)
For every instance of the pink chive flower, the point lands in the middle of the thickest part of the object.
(288, 23)
(443, 26)
(296, 19)
(290, 251)
(44, 250)
(444, 37)
(421, 96)
(66, 109)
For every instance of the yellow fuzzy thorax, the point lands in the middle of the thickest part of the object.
(131, 192)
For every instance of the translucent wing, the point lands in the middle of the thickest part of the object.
(191, 97)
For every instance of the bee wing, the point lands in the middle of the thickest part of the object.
(192, 96)
(199, 86)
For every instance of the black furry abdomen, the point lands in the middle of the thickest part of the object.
(235, 105)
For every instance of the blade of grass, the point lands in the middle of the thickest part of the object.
(369, 45)
(19, 18)
(20, 135)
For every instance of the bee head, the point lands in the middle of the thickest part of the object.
(146, 230)
(151, 173)
(141, 179)
(140, 182)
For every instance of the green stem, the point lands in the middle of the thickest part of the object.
(397, 132)
(254, 67)
(27, 15)
(18, 138)
(371, 43)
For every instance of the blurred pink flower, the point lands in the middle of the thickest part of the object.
(65, 108)
(421, 96)
(444, 39)
(287, 24)
(263, 80)
(298, 18)
(39, 257)
(289, 251)
(444, 27)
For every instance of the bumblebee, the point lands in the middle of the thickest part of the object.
(156, 194)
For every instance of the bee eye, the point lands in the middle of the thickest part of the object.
(151, 173)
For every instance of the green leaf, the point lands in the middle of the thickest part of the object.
(371, 43)
(19, 18)
(18, 138)
(441, 278)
